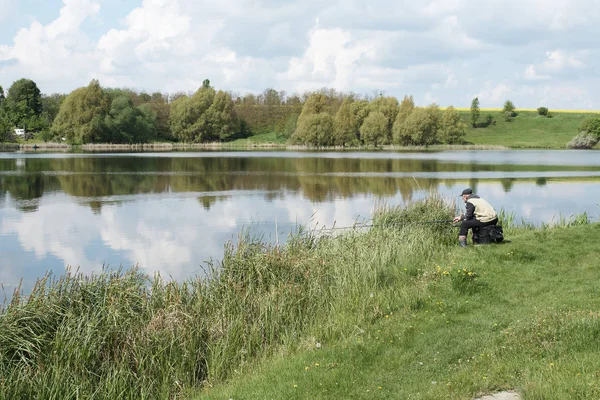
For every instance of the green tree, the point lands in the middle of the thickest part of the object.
(23, 105)
(271, 97)
(221, 120)
(290, 125)
(205, 116)
(4, 124)
(294, 101)
(388, 106)
(422, 125)
(314, 130)
(249, 100)
(143, 98)
(407, 106)
(162, 110)
(158, 98)
(51, 105)
(374, 130)
(475, 112)
(127, 123)
(4, 128)
(177, 95)
(206, 84)
(187, 120)
(509, 108)
(81, 116)
(452, 129)
(348, 120)
(316, 105)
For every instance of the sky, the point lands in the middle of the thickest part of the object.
(532, 52)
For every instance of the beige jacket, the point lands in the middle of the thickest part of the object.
(479, 209)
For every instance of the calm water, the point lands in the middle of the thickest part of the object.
(171, 212)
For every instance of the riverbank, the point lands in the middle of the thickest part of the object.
(527, 130)
(388, 310)
(247, 144)
(518, 316)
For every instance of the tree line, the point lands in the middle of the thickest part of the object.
(93, 114)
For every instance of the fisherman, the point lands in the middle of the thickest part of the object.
(479, 213)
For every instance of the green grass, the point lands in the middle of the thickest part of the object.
(521, 315)
(270, 138)
(397, 311)
(528, 129)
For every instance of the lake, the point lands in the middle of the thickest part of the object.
(172, 212)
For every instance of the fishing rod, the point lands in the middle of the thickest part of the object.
(390, 224)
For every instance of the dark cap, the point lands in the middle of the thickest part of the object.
(467, 191)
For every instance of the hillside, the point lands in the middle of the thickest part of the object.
(528, 129)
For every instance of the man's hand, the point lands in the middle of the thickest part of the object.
(457, 219)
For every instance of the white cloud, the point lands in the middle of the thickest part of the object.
(156, 30)
(559, 60)
(331, 59)
(532, 75)
(447, 47)
(557, 63)
(57, 51)
(495, 93)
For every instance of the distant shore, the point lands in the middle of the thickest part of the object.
(231, 145)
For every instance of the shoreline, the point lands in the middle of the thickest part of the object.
(92, 147)
(253, 146)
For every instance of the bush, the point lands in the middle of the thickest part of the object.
(591, 126)
(45, 135)
(542, 111)
(583, 140)
(489, 120)
(509, 109)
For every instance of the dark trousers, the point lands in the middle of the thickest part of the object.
(467, 224)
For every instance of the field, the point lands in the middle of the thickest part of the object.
(528, 129)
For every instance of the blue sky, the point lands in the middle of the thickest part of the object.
(445, 51)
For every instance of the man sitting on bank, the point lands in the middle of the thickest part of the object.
(479, 213)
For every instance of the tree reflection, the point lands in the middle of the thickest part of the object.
(318, 178)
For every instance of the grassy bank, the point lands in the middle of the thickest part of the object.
(396, 312)
(528, 129)
(457, 323)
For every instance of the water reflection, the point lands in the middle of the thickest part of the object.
(317, 178)
(172, 212)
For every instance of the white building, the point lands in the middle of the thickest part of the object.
(20, 132)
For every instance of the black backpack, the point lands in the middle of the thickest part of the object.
(488, 234)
